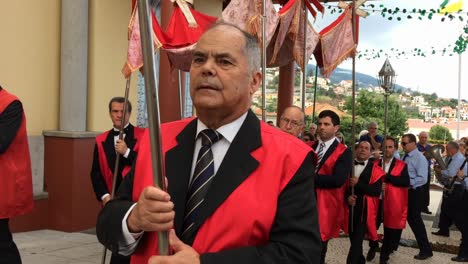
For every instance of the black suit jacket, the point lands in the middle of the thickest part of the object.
(294, 237)
(363, 187)
(97, 179)
(341, 171)
(400, 181)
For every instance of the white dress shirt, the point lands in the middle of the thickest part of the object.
(358, 169)
(328, 143)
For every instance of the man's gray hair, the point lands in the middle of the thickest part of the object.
(372, 123)
(251, 48)
(454, 145)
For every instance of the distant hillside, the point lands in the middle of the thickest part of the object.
(363, 80)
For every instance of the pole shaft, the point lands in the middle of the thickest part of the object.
(304, 59)
(264, 21)
(459, 93)
(181, 93)
(315, 92)
(117, 155)
(152, 102)
(353, 22)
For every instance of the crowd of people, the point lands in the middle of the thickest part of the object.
(311, 193)
(395, 193)
(243, 191)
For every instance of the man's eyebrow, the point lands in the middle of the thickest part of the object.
(223, 55)
(198, 53)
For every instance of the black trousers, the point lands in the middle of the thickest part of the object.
(426, 188)
(9, 253)
(449, 210)
(461, 221)
(390, 243)
(356, 237)
(119, 259)
(323, 252)
(415, 204)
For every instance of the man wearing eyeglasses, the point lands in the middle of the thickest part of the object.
(292, 121)
(417, 170)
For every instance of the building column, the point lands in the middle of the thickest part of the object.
(73, 65)
(285, 89)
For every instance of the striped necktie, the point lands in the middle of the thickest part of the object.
(201, 180)
(320, 155)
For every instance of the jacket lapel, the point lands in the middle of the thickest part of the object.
(109, 149)
(237, 165)
(178, 167)
(129, 136)
(327, 154)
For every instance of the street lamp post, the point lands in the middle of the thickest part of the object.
(387, 79)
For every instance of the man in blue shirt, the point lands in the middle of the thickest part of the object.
(423, 146)
(454, 161)
(417, 170)
(372, 137)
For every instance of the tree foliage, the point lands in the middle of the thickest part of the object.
(440, 134)
(370, 106)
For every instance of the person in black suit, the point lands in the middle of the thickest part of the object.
(106, 148)
(367, 185)
(334, 163)
(254, 192)
(394, 202)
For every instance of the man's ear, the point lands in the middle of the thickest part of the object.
(255, 82)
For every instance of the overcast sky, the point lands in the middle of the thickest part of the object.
(434, 73)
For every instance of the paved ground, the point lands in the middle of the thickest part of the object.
(54, 247)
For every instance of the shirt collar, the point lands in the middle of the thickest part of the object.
(229, 131)
(115, 129)
(328, 142)
(411, 153)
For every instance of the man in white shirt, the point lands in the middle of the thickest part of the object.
(367, 186)
(216, 166)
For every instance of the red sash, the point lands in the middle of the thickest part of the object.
(331, 202)
(396, 201)
(15, 163)
(106, 171)
(253, 219)
(373, 203)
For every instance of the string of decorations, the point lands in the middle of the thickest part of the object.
(407, 13)
(458, 47)
(370, 54)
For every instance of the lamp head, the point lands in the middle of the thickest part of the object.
(387, 77)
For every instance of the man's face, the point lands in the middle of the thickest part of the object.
(291, 121)
(326, 129)
(363, 151)
(406, 145)
(451, 151)
(372, 129)
(116, 114)
(389, 148)
(312, 129)
(422, 138)
(220, 78)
